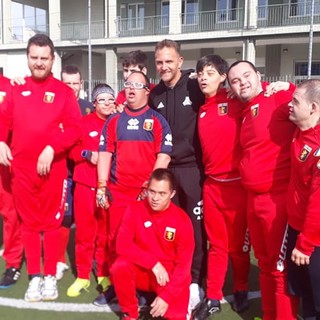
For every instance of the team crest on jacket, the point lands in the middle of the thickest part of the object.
(187, 101)
(318, 164)
(170, 233)
(254, 110)
(148, 124)
(2, 96)
(48, 97)
(222, 109)
(304, 153)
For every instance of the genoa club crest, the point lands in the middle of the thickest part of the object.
(304, 153)
(170, 233)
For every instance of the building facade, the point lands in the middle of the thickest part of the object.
(273, 34)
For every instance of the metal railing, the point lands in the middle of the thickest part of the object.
(287, 14)
(79, 30)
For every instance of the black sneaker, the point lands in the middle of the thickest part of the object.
(9, 278)
(105, 297)
(205, 309)
(240, 301)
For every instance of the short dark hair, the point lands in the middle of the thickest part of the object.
(144, 76)
(311, 90)
(245, 61)
(214, 60)
(41, 40)
(71, 69)
(164, 174)
(136, 57)
(167, 43)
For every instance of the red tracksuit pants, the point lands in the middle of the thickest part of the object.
(127, 277)
(12, 241)
(91, 233)
(225, 220)
(40, 202)
(122, 198)
(267, 221)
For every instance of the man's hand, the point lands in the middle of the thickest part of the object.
(143, 193)
(274, 87)
(45, 160)
(94, 158)
(103, 197)
(158, 307)
(299, 258)
(5, 154)
(17, 80)
(160, 273)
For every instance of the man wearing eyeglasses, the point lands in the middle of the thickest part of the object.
(91, 222)
(132, 144)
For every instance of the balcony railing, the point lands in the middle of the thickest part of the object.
(142, 26)
(287, 14)
(79, 30)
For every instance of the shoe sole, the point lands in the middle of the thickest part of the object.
(50, 298)
(8, 286)
(77, 294)
(32, 300)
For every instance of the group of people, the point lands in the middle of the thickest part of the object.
(166, 182)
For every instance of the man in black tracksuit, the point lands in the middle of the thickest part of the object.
(178, 98)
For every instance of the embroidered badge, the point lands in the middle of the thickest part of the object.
(2, 96)
(168, 139)
(133, 124)
(254, 110)
(318, 164)
(222, 109)
(93, 134)
(187, 102)
(148, 224)
(148, 124)
(48, 97)
(317, 153)
(305, 153)
(202, 114)
(160, 105)
(170, 233)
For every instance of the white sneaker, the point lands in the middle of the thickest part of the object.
(196, 296)
(49, 288)
(33, 293)
(61, 269)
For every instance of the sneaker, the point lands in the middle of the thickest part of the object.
(103, 284)
(105, 297)
(196, 296)
(9, 278)
(206, 309)
(61, 269)
(33, 293)
(49, 288)
(240, 301)
(75, 289)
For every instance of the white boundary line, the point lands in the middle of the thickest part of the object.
(83, 307)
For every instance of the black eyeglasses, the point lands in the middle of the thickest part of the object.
(106, 101)
(136, 85)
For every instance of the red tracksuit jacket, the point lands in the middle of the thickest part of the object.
(304, 189)
(146, 237)
(265, 136)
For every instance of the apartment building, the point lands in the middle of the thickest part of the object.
(274, 34)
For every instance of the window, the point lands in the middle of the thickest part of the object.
(136, 16)
(165, 13)
(190, 12)
(301, 68)
(226, 10)
(27, 20)
(303, 8)
(262, 9)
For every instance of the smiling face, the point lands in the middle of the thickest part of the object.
(136, 98)
(168, 64)
(40, 61)
(210, 80)
(244, 81)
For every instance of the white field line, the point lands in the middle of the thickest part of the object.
(82, 307)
